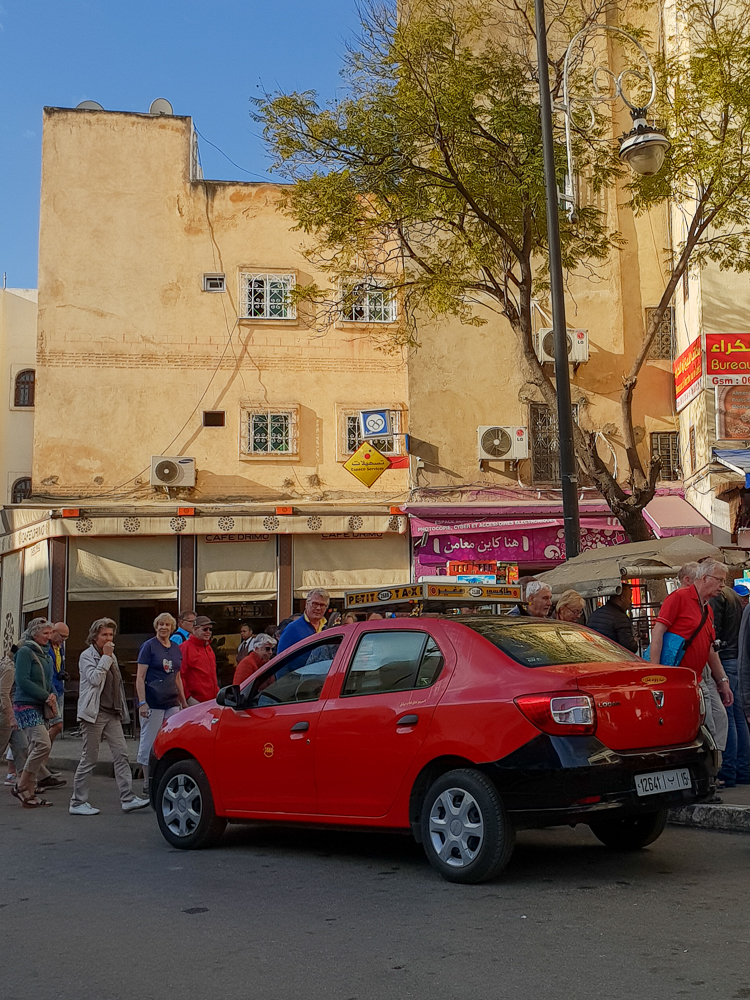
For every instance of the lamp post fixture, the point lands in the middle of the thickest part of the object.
(643, 149)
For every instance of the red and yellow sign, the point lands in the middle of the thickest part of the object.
(367, 464)
(727, 359)
(688, 375)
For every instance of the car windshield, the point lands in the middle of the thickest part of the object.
(537, 643)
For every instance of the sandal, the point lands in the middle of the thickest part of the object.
(31, 802)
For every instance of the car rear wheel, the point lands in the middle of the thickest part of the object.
(630, 833)
(185, 807)
(466, 833)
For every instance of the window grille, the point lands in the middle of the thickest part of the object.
(545, 443)
(21, 490)
(25, 386)
(666, 444)
(663, 347)
(368, 303)
(271, 432)
(268, 296)
(386, 446)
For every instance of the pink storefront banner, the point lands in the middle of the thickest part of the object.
(511, 544)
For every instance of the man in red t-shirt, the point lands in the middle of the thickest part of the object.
(681, 613)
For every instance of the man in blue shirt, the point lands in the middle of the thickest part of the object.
(185, 622)
(309, 623)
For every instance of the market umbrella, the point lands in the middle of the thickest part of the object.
(600, 572)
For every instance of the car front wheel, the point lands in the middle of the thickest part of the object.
(630, 833)
(185, 807)
(466, 833)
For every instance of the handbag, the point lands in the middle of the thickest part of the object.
(674, 647)
(49, 711)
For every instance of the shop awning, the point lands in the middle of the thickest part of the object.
(736, 459)
(36, 577)
(340, 564)
(669, 516)
(122, 569)
(10, 599)
(230, 571)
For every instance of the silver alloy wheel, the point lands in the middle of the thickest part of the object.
(182, 805)
(456, 827)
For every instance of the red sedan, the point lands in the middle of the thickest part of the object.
(460, 730)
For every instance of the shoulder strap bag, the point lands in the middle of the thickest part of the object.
(674, 647)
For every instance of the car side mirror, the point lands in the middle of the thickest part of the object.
(229, 696)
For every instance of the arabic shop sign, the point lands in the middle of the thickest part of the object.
(688, 375)
(727, 359)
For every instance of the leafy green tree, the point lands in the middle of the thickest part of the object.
(428, 177)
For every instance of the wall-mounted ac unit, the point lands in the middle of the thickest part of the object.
(502, 444)
(172, 470)
(578, 345)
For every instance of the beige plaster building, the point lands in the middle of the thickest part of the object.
(18, 311)
(168, 329)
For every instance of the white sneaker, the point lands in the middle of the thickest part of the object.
(136, 803)
(84, 809)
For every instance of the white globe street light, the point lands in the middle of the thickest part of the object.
(644, 147)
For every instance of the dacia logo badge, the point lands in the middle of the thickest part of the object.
(658, 698)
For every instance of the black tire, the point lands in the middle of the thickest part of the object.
(630, 833)
(472, 856)
(194, 824)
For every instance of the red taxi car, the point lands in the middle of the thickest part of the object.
(461, 730)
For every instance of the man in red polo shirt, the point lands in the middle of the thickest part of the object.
(682, 612)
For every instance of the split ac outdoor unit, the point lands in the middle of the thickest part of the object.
(172, 470)
(578, 345)
(506, 444)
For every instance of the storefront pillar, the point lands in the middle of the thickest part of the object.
(284, 577)
(186, 572)
(58, 557)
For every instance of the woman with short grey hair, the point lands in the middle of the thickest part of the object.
(34, 693)
(102, 709)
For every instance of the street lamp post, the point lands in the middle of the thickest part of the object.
(643, 149)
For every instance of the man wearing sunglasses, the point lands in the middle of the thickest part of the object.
(263, 648)
(199, 663)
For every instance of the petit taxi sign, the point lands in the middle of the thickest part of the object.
(367, 464)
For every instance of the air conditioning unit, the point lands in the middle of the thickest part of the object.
(504, 444)
(172, 470)
(578, 345)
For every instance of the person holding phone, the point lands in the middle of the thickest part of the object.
(102, 709)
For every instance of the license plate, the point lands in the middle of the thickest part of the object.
(663, 781)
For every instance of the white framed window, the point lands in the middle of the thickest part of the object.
(270, 432)
(267, 296)
(367, 302)
(214, 282)
(350, 431)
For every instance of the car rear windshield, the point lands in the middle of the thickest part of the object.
(546, 644)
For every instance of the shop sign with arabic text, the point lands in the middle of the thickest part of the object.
(727, 359)
(688, 375)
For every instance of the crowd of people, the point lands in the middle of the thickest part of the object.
(703, 625)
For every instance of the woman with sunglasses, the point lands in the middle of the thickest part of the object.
(158, 685)
(199, 663)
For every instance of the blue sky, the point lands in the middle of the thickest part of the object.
(208, 58)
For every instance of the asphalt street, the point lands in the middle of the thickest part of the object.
(103, 908)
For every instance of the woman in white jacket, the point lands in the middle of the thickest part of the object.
(102, 709)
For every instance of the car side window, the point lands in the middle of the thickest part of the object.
(299, 677)
(393, 661)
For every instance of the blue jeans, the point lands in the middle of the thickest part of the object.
(735, 764)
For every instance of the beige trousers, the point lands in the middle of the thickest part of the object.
(107, 727)
(39, 747)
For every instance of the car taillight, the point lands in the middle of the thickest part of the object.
(560, 714)
(701, 706)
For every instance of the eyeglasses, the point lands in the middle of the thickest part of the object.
(721, 579)
(320, 607)
(205, 628)
(267, 649)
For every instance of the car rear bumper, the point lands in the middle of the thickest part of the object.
(555, 780)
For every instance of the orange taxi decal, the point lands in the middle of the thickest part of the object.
(268, 749)
(654, 679)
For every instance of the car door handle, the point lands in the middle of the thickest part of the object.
(300, 727)
(408, 720)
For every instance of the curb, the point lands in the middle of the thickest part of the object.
(731, 819)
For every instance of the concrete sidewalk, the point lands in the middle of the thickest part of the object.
(732, 814)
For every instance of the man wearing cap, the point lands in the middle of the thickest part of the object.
(199, 663)
(728, 610)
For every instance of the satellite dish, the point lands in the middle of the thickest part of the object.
(161, 106)
(89, 106)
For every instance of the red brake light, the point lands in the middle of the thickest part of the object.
(559, 713)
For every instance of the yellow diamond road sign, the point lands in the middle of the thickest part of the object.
(367, 464)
